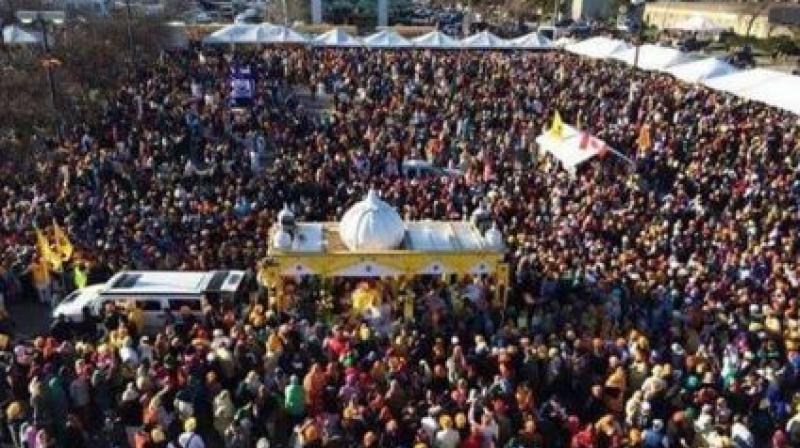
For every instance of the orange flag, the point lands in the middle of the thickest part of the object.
(644, 138)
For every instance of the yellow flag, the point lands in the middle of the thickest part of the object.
(45, 252)
(557, 128)
(63, 245)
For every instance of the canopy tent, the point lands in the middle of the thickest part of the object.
(598, 47)
(532, 41)
(782, 91)
(435, 39)
(739, 82)
(387, 39)
(652, 57)
(700, 70)
(336, 38)
(279, 34)
(14, 35)
(562, 42)
(571, 147)
(484, 40)
(234, 34)
(698, 24)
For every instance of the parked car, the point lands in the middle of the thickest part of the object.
(249, 15)
(199, 17)
(422, 169)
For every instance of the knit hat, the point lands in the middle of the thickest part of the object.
(445, 421)
(14, 410)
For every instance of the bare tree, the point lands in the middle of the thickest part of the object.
(90, 60)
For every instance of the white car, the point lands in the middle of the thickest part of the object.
(420, 169)
(249, 15)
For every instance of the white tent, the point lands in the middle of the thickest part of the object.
(562, 42)
(598, 47)
(782, 91)
(435, 39)
(698, 24)
(387, 39)
(652, 57)
(484, 40)
(14, 35)
(572, 148)
(532, 41)
(279, 34)
(739, 82)
(234, 34)
(336, 38)
(701, 70)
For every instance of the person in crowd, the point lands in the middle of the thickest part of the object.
(653, 299)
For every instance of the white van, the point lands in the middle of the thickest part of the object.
(422, 169)
(155, 292)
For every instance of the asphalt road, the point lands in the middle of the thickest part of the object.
(30, 319)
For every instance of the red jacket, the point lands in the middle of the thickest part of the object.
(584, 439)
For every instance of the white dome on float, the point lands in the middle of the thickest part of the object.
(494, 239)
(282, 240)
(285, 216)
(371, 224)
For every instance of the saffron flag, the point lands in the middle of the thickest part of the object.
(644, 137)
(63, 245)
(557, 128)
(588, 142)
(45, 252)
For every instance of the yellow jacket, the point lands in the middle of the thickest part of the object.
(41, 274)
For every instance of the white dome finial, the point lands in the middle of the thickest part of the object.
(285, 215)
(282, 240)
(372, 196)
(494, 238)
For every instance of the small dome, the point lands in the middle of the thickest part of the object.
(285, 216)
(371, 224)
(493, 237)
(481, 217)
(282, 240)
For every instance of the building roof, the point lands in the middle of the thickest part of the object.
(760, 8)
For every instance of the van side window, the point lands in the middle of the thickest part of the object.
(176, 304)
(150, 305)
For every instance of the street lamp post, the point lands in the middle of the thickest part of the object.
(635, 4)
(556, 4)
(131, 47)
(43, 19)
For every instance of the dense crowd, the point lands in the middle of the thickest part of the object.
(653, 304)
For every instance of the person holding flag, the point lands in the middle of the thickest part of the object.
(46, 252)
(42, 279)
(45, 263)
(643, 141)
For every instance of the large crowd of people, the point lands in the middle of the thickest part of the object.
(653, 303)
